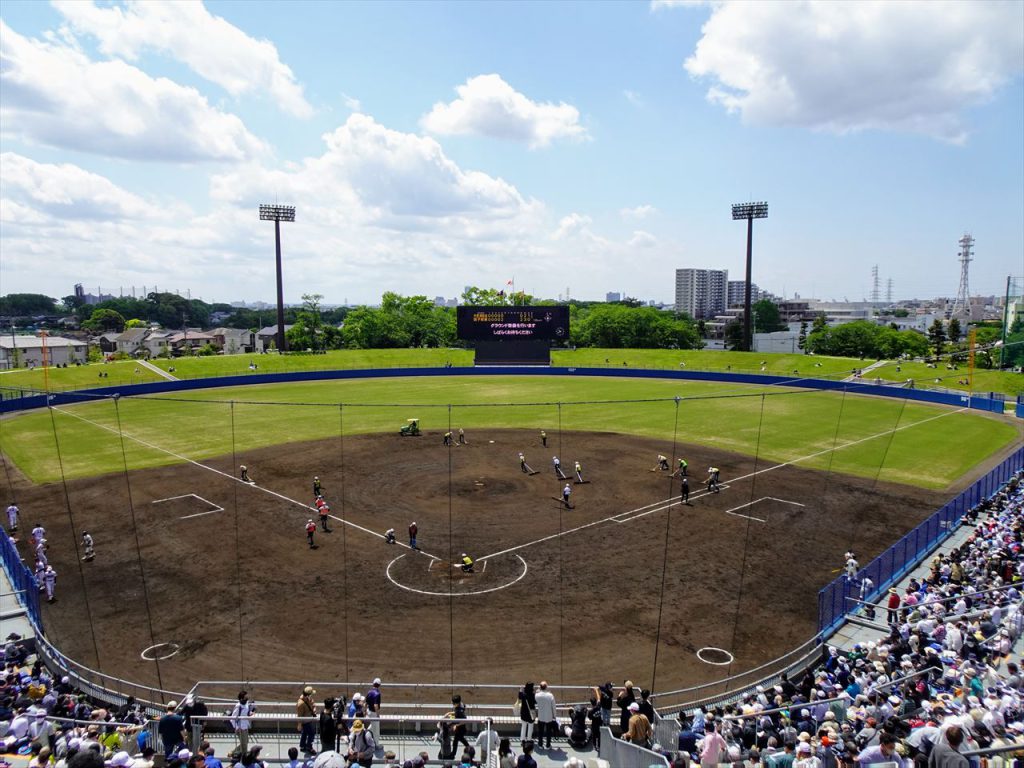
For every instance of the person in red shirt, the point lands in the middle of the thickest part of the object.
(310, 531)
(893, 605)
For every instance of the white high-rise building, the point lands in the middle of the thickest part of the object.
(702, 293)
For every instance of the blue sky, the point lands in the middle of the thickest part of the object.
(582, 147)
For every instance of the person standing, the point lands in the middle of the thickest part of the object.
(947, 755)
(527, 713)
(462, 436)
(893, 606)
(579, 472)
(49, 581)
(459, 729)
(714, 475)
(38, 534)
(526, 760)
(413, 530)
(171, 728)
(522, 464)
(684, 491)
(318, 490)
(373, 700)
(310, 531)
(328, 726)
(565, 496)
(240, 722)
(544, 438)
(12, 517)
(305, 708)
(547, 721)
(558, 468)
(324, 510)
(682, 468)
(88, 546)
(626, 697)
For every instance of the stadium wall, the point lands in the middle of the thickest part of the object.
(18, 400)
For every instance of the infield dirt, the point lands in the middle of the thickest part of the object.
(587, 594)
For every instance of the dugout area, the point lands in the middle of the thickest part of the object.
(574, 596)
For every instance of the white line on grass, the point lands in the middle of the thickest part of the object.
(667, 503)
(235, 479)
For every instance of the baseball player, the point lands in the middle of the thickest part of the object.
(565, 496)
(662, 462)
(558, 468)
(40, 570)
(244, 474)
(310, 531)
(41, 552)
(324, 511)
(852, 566)
(389, 536)
(522, 464)
(49, 581)
(318, 489)
(462, 437)
(413, 530)
(544, 438)
(579, 472)
(684, 491)
(87, 545)
(447, 438)
(682, 468)
(12, 517)
(38, 534)
(467, 563)
(713, 479)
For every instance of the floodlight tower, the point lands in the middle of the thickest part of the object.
(749, 211)
(962, 305)
(277, 214)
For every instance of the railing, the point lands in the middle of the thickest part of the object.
(909, 551)
(26, 589)
(623, 754)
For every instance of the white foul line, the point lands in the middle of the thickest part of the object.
(235, 479)
(667, 503)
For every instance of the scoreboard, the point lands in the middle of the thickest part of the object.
(513, 323)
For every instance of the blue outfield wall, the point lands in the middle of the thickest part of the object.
(11, 404)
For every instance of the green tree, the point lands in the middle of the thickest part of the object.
(801, 341)
(733, 333)
(104, 321)
(27, 304)
(135, 323)
(493, 297)
(766, 317)
(937, 336)
(953, 330)
(617, 326)
(820, 323)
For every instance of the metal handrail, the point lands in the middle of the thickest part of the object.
(947, 599)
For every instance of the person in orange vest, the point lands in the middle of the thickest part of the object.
(310, 531)
(324, 511)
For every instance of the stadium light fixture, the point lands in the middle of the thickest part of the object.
(749, 211)
(277, 214)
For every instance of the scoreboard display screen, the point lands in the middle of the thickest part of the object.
(513, 323)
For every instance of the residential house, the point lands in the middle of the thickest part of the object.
(108, 343)
(234, 340)
(187, 341)
(27, 351)
(130, 341)
(158, 342)
(268, 335)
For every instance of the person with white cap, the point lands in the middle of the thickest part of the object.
(49, 582)
(373, 701)
(12, 517)
(640, 731)
(305, 708)
(310, 532)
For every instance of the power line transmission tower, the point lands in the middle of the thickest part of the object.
(876, 287)
(962, 305)
(888, 291)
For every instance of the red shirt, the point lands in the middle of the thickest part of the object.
(310, 527)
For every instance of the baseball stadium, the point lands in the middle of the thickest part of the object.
(197, 493)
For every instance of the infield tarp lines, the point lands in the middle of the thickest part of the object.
(235, 479)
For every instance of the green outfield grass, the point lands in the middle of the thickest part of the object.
(932, 447)
(123, 372)
(119, 373)
(1006, 382)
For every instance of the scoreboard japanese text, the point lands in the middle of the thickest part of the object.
(513, 323)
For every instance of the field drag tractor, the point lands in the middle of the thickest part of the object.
(412, 429)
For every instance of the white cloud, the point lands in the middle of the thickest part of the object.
(54, 94)
(633, 98)
(639, 212)
(65, 191)
(571, 225)
(210, 46)
(872, 64)
(641, 239)
(351, 103)
(657, 5)
(488, 106)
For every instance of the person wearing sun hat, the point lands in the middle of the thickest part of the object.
(361, 744)
(305, 708)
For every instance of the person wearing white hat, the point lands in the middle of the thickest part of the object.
(373, 701)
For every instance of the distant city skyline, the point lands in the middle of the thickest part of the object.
(430, 145)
